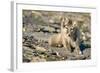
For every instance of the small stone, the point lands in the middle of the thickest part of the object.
(58, 30)
(38, 59)
(40, 49)
(42, 56)
(26, 60)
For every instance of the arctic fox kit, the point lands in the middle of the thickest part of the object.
(62, 38)
(68, 37)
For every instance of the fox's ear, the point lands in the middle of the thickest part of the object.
(61, 18)
(70, 21)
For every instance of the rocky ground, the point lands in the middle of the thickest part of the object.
(38, 26)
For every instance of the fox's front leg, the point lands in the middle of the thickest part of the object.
(66, 45)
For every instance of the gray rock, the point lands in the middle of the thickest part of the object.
(87, 53)
(38, 59)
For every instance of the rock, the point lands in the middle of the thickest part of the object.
(46, 31)
(26, 60)
(55, 26)
(51, 21)
(58, 30)
(51, 29)
(27, 49)
(38, 59)
(87, 53)
(38, 30)
(24, 29)
(64, 52)
(42, 56)
(35, 53)
(23, 40)
(40, 49)
(27, 56)
(71, 58)
(52, 58)
(80, 57)
(54, 53)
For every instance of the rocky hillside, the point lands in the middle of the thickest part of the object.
(38, 26)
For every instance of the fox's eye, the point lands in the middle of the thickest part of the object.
(71, 28)
(63, 25)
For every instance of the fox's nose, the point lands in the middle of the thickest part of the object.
(69, 34)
